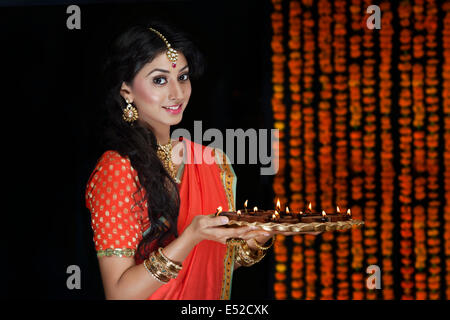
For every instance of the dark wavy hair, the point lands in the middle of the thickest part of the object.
(127, 54)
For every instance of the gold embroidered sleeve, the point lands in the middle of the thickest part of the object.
(125, 252)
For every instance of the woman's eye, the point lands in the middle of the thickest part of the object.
(184, 77)
(159, 80)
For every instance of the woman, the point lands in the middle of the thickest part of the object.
(155, 230)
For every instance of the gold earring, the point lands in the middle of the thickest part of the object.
(130, 113)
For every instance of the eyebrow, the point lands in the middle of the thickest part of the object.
(165, 71)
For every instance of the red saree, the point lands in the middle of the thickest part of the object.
(204, 186)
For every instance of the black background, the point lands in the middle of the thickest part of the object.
(50, 113)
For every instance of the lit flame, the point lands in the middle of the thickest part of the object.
(273, 217)
(287, 210)
(323, 213)
(310, 207)
(337, 209)
(349, 212)
(238, 212)
(219, 210)
(278, 204)
(255, 209)
(245, 203)
(276, 213)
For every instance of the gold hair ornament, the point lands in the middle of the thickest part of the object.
(171, 53)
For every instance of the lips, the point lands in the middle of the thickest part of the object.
(177, 108)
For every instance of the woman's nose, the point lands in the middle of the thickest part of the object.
(175, 91)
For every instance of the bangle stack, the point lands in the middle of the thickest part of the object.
(160, 267)
(245, 256)
(259, 246)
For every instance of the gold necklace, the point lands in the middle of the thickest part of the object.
(164, 153)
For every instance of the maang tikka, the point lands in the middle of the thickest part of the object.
(171, 53)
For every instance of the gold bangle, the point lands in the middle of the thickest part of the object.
(168, 262)
(235, 241)
(241, 259)
(259, 246)
(162, 266)
(246, 256)
(154, 273)
(251, 252)
(158, 267)
(163, 269)
(158, 274)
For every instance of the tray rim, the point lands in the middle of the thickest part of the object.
(301, 226)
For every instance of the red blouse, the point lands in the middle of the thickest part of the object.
(112, 193)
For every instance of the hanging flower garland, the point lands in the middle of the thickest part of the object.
(356, 164)
(405, 177)
(279, 114)
(341, 107)
(369, 143)
(446, 111)
(419, 168)
(432, 143)
(295, 143)
(309, 135)
(387, 148)
(297, 266)
(325, 135)
(295, 121)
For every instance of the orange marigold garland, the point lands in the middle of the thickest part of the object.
(445, 95)
(295, 145)
(387, 174)
(356, 153)
(279, 114)
(369, 143)
(309, 135)
(295, 116)
(325, 135)
(405, 177)
(419, 169)
(432, 161)
(340, 97)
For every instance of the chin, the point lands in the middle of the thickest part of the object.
(174, 123)
(175, 120)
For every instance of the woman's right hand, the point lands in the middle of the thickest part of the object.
(210, 227)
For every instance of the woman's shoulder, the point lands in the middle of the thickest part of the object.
(111, 168)
(112, 157)
(113, 162)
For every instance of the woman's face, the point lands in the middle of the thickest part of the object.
(160, 92)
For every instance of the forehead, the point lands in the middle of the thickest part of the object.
(162, 62)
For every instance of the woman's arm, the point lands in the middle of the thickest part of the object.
(123, 279)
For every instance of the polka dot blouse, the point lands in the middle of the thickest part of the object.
(111, 197)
